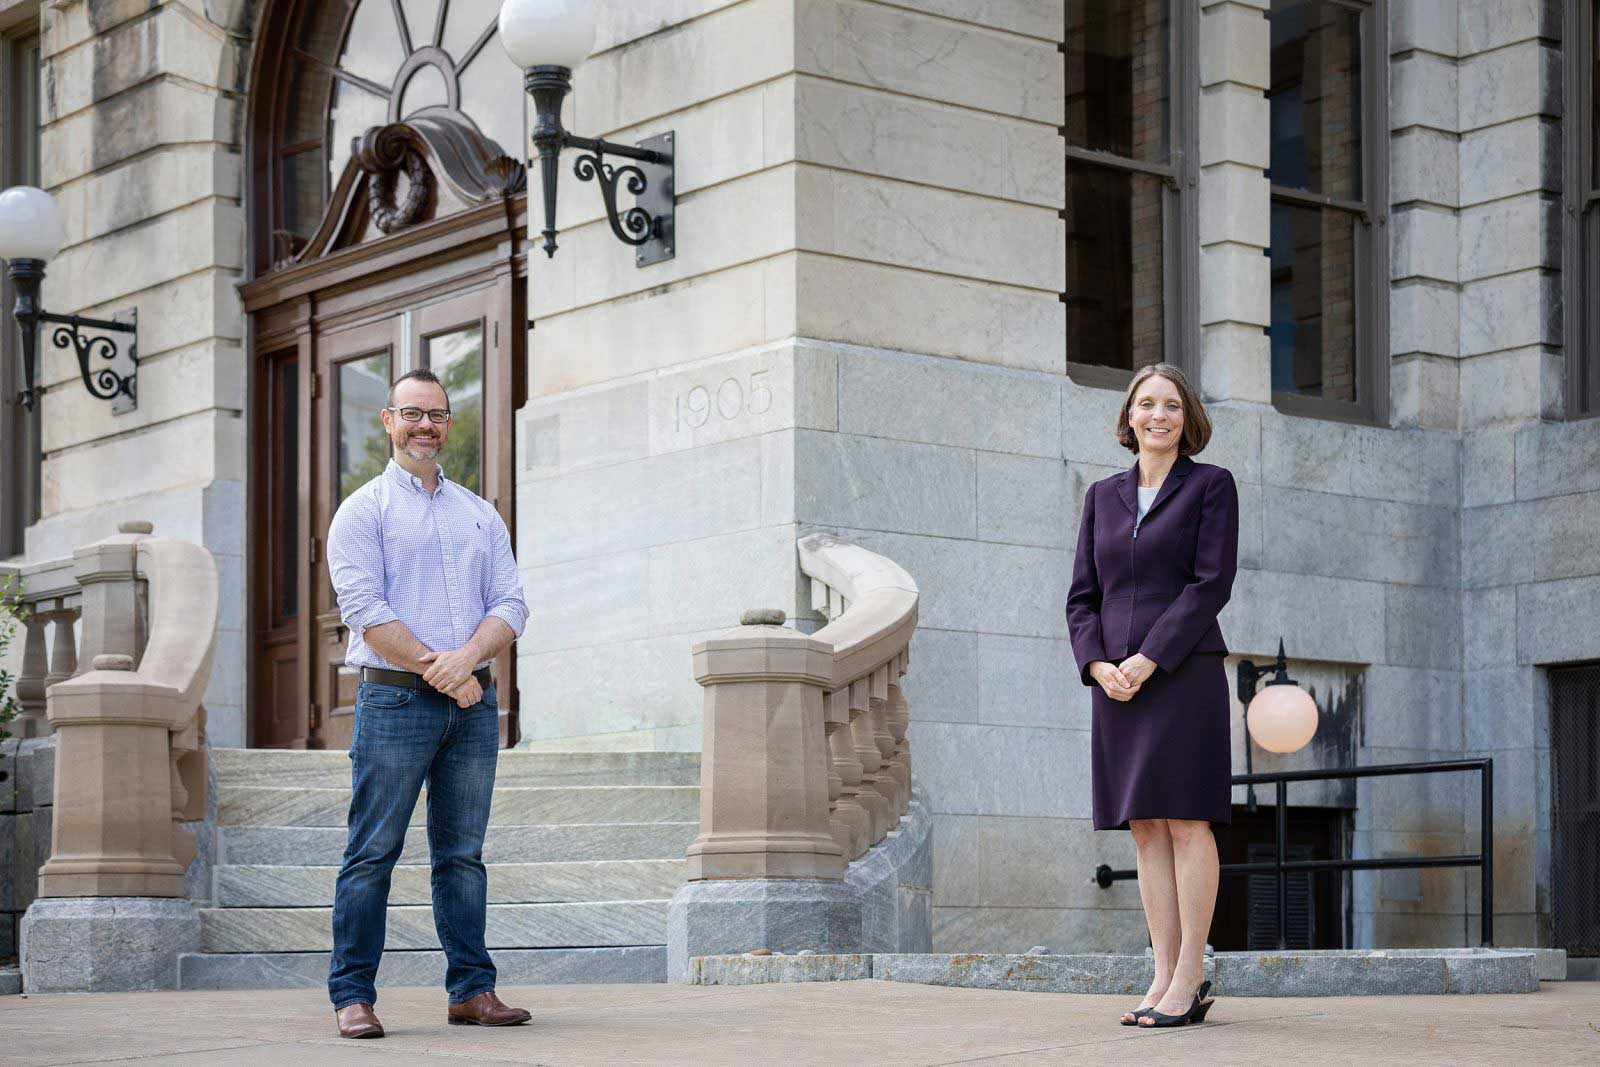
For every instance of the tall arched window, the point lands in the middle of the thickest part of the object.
(331, 69)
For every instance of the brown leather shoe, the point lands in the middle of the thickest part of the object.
(486, 1009)
(358, 1020)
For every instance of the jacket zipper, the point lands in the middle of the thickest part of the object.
(1133, 565)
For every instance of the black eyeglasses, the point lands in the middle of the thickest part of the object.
(437, 416)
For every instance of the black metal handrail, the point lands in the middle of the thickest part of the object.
(1104, 875)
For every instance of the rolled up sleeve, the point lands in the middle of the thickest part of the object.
(504, 599)
(355, 564)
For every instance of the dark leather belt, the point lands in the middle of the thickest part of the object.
(407, 680)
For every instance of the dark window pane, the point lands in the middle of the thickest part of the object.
(1116, 77)
(1114, 267)
(492, 96)
(457, 358)
(465, 23)
(373, 48)
(1313, 301)
(426, 88)
(420, 17)
(355, 111)
(286, 532)
(363, 446)
(304, 195)
(1316, 97)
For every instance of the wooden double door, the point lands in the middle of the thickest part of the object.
(324, 364)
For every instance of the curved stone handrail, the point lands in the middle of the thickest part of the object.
(182, 579)
(876, 602)
(130, 761)
(805, 763)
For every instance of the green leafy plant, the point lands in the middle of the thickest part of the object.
(12, 612)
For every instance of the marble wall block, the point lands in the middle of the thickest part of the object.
(1557, 457)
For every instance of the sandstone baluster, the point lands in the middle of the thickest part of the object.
(885, 781)
(63, 646)
(841, 748)
(866, 749)
(31, 721)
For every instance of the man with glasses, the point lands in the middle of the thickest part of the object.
(426, 583)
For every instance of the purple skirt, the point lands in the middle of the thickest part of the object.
(1165, 754)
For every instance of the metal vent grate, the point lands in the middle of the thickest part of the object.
(1575, 809)
(1300, 926)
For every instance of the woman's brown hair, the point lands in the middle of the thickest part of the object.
(1196, 423)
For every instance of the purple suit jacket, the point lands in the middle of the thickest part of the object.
(1158, 591)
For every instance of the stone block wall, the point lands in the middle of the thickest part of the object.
(27, 796)
(140, 144)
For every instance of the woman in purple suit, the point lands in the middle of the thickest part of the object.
(1157, 550)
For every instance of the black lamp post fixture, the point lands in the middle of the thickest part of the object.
(548, 39)
(1286, 718)
(31, 232)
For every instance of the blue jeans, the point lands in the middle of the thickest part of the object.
(402, 738)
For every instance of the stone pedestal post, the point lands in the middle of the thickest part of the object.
(764, 767)
(766, 870)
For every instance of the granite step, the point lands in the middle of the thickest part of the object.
(515, 967)
(566, 925)
(301, 846)
(509, 883)
(256, 805)
(330, 768)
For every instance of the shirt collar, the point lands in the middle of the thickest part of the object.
(409, 480)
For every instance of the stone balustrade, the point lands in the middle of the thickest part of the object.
(52, 603)
(130, 763)
(130, 729)
(805, 762)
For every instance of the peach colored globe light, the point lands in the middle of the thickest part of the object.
(1283, 718)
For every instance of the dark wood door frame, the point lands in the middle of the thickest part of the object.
(478, 249)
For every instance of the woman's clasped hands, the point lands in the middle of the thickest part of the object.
(1122, 681)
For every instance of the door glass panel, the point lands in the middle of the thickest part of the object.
(457, 358)
(286, 505)
(364, 449)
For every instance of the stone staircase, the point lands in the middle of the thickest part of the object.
(584, 852)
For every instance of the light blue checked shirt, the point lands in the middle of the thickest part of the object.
(440, 564)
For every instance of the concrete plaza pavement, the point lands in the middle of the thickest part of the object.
(794, 1025)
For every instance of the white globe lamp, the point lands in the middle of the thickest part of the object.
(547, 33)
(31, 226)
(1282, 718)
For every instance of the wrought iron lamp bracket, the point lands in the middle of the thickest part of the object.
(104, 381)
(649, 175)
(116, 379)
(647, 226)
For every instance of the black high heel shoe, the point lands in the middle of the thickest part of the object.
(1196, 1013)
(1137, 1014)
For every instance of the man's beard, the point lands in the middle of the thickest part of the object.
(413, 449)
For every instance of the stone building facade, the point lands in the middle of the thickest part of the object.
(921, 246)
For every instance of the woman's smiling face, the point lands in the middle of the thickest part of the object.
(1156, 415)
